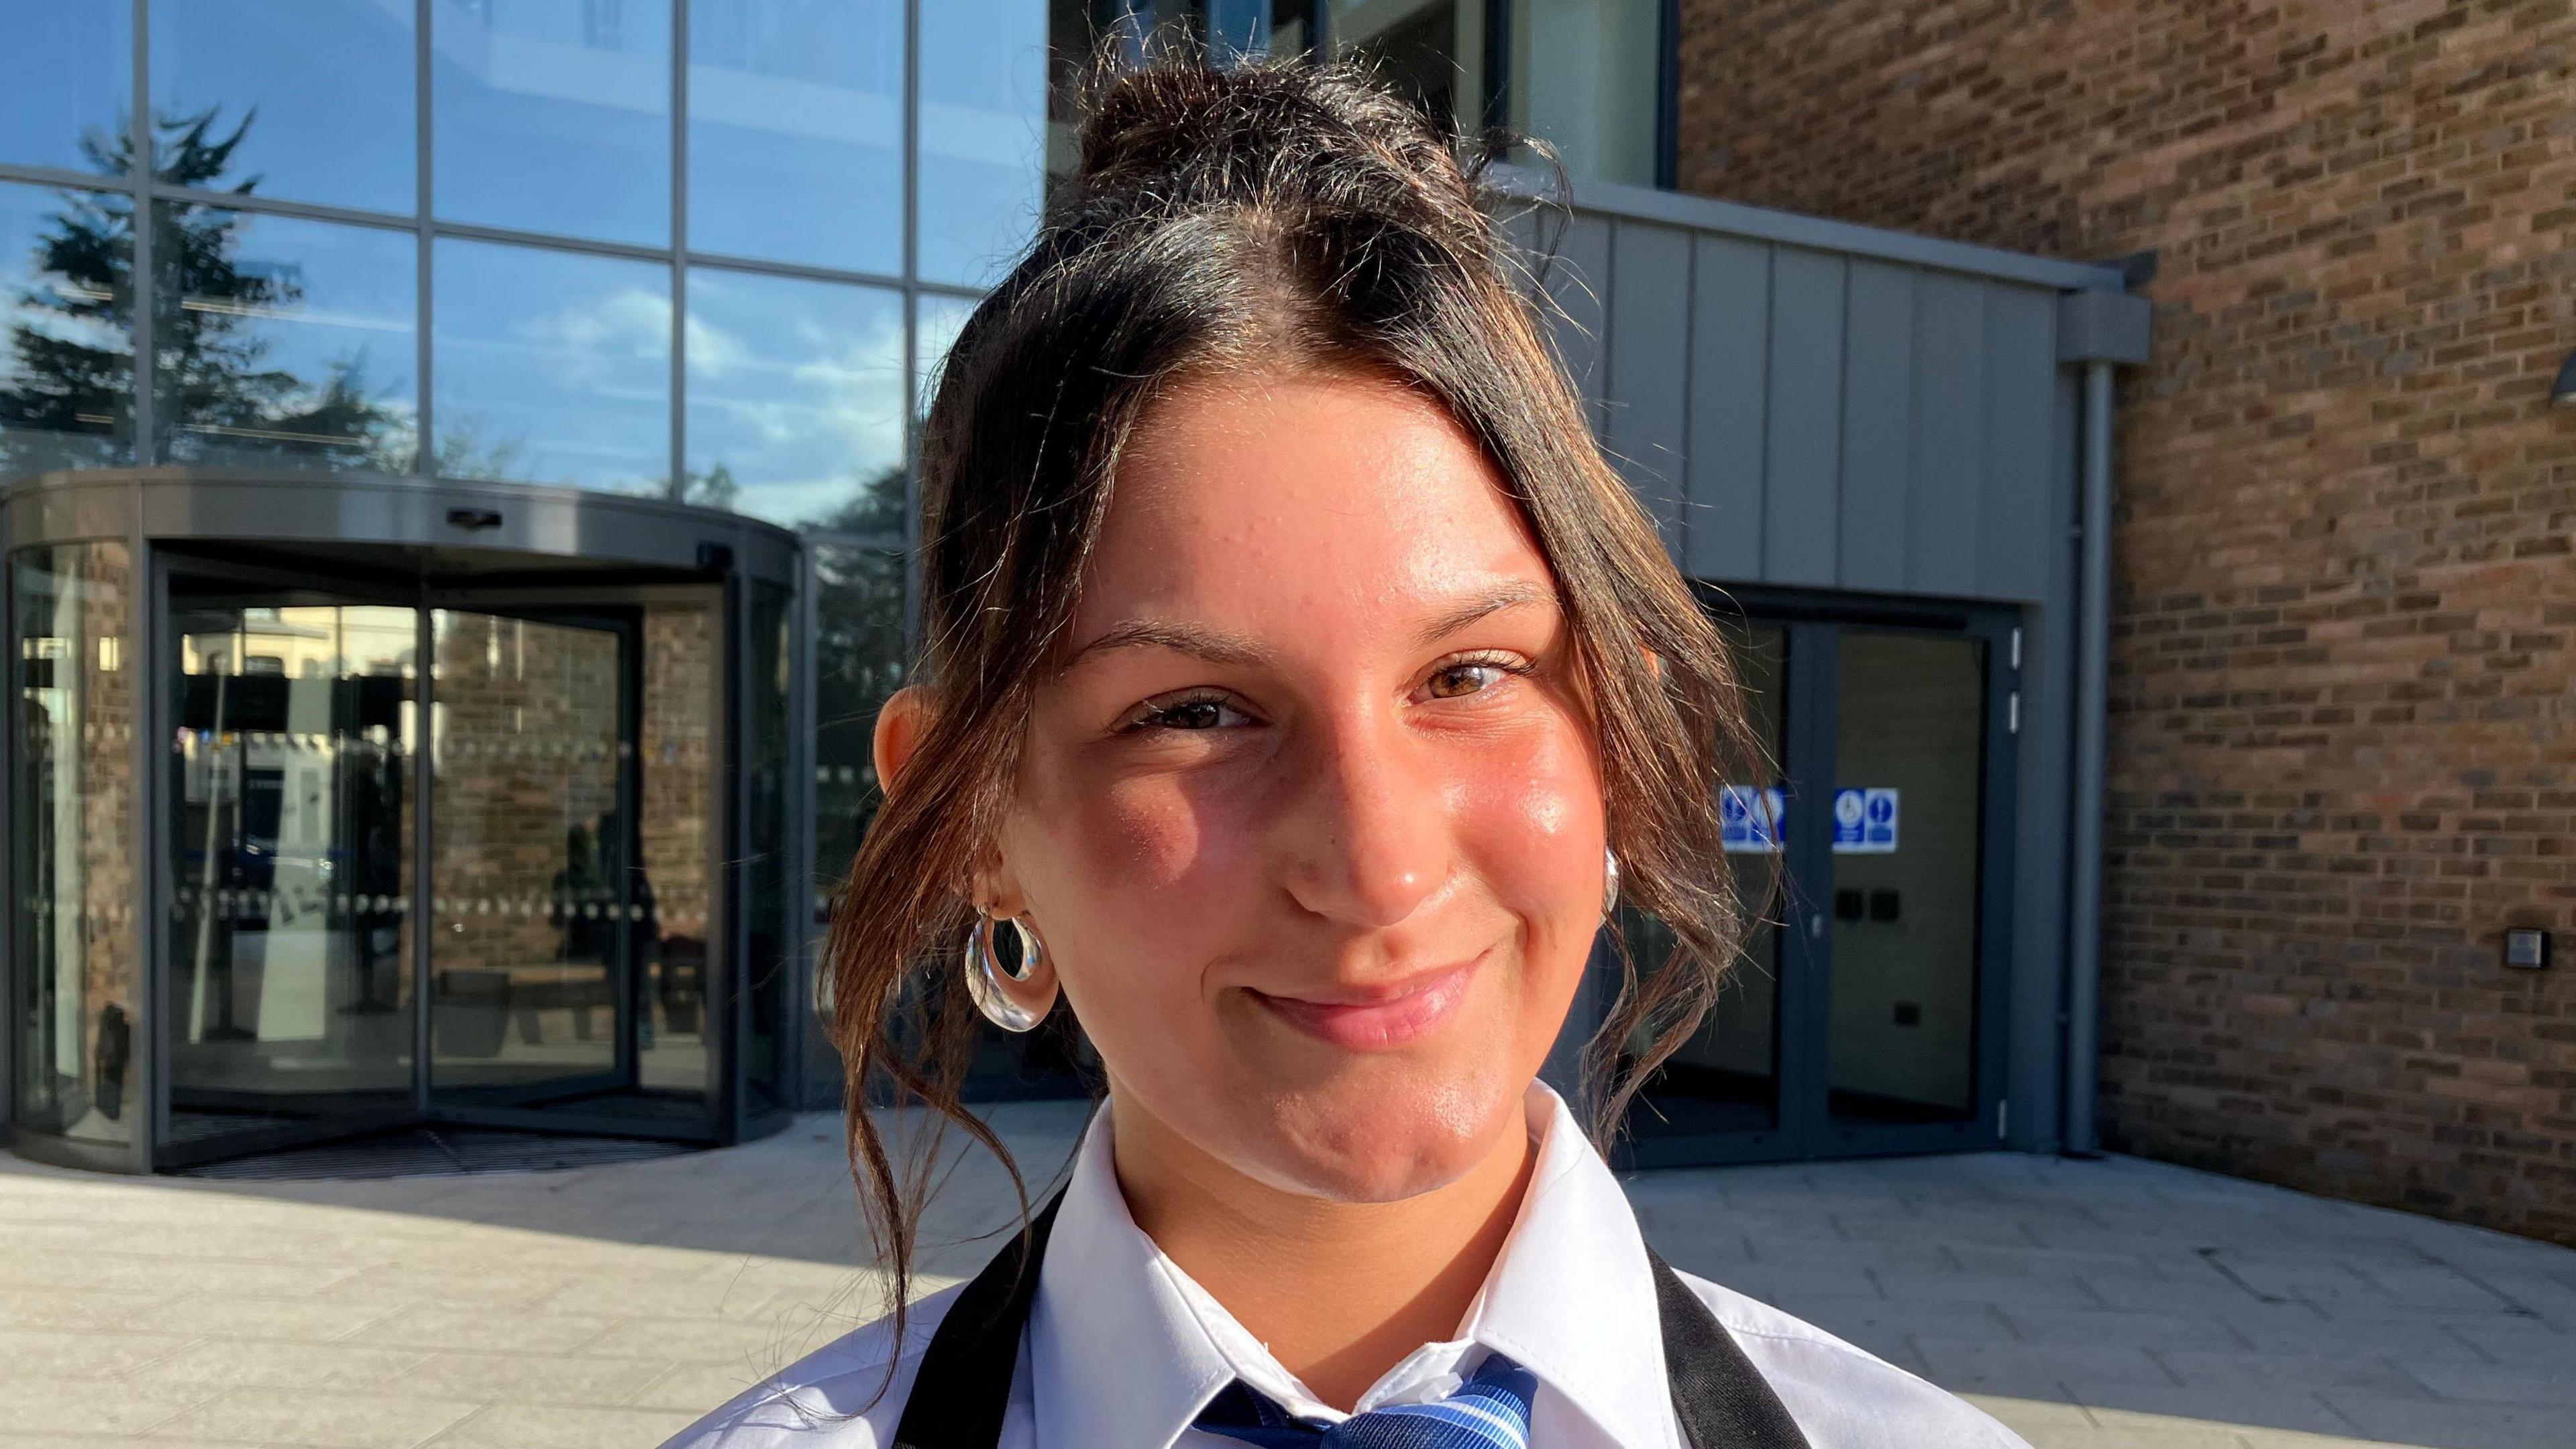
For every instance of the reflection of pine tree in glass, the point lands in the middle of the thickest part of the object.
(217, 389)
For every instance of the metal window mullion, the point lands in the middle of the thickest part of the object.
(148, 1059)
(425, 420)
(911, 326)
(800, 270)
(424, 839)
(57, 176)
(679, 467)
(1668, 94)
(138, 184)
(511, 236)
(255, 204)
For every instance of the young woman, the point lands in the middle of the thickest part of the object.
(1301, 691)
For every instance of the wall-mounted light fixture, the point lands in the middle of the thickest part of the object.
(2527, 948)
(2563, 391)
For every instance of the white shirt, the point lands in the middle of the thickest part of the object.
(1123, 1349)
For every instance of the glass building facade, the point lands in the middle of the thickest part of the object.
(390, 812)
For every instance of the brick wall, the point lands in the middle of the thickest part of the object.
(2342, 760)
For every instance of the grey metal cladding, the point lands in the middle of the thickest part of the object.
(1878, 421)
(2020, 406)
(1729, 398)
(1942, 498)
(1809, 417)
(1649, 367)
(1801, 504)
(1578, 281)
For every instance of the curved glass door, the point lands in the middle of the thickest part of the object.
(530, 891)
(443, 863)
(575, 934)
(288, 1002)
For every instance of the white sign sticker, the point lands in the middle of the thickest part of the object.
(1865, 821)
(1750, 820)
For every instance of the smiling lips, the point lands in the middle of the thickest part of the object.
(1376, 1018)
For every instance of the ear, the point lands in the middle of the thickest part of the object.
(901, 721)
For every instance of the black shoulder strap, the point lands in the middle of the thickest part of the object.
(964, 1385)
(1722, 1400)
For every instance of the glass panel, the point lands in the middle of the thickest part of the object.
(553, 116)
(796, 131)
(983, 111)
(315, 95)
(936, 322)
(1726, 1076)
(74, 937)
(675, 876)
(285, 340)
(1432, 51)
(769, 970)
(859, 659)
(1292, 26)
(290, 860)
(1908, 767)
(1586, 76)
(66, 298)
(69, 77)
(796, 400)
(527, 845)
(552, 367)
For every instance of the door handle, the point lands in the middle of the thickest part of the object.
(1816, 925)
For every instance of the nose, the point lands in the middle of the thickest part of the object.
(1367, 840)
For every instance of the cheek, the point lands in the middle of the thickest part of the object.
(1103, 864)
(1530, 822)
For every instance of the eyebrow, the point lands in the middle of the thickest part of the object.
(1217, 646)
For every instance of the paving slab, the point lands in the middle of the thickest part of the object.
(2113, 1304)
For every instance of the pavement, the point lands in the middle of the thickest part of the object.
(2087, 1304)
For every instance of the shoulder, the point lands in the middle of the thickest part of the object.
(841, 1395)
(1842, 1396)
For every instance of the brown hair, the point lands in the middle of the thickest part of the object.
(1267, 215)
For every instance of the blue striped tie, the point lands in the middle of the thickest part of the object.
(1489, 1411)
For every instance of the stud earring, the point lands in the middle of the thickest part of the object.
(1610, 880)
(984, 972)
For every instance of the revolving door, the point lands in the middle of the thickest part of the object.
(423, 834)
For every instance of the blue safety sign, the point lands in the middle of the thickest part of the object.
(1865, 821)
(1751, 820)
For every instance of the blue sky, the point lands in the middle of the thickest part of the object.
(554, 116)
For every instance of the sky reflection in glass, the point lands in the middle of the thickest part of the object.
(795, 393)
(937, 321)
(551, 367)
(68, 72)
(796, 131)
(983, 120)
(553, 116)
(291, 341)
(66, 348)
(325, 87)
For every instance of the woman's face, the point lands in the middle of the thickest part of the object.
(1311, 820)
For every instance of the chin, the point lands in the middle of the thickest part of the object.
(1379, 1143)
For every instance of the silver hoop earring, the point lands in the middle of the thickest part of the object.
(984, 973)
(1610, 880)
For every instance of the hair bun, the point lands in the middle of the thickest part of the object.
(1160, 136)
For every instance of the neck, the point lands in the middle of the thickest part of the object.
(1339, 1291)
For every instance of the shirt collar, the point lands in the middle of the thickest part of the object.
(1124, 1349)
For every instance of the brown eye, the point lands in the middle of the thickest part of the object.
(1202, 713)
(1461, 679)
(1197, 714)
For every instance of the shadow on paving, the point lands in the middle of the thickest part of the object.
(2086, 1303)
